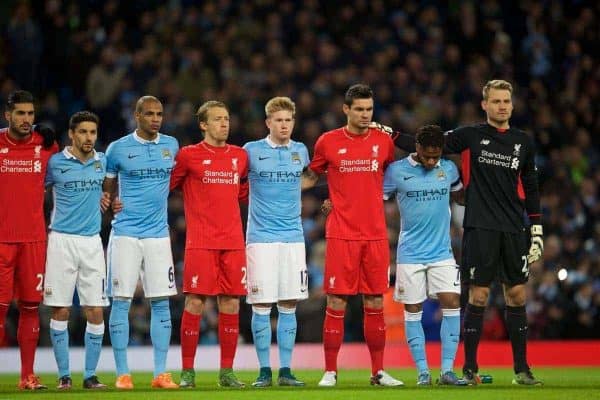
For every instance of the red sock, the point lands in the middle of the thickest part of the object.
(28, 333)
(189, 334)
(229, 330)
(333, 335)
(374, 330)
(3, 312)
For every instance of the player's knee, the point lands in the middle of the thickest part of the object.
(413, 308)
(479, 296)
(60, 313)
(194, 304)
(336, 302)
(229, 304)
(515, 296)
(373, 301)
(94, 315)
(449, 300)
(287, 305)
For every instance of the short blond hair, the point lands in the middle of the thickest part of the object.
(202, 112)
(497, 84)
(280, 104)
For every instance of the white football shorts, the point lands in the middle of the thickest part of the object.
(416, 282)
(75, 261)
(276, 271)
(148, 259)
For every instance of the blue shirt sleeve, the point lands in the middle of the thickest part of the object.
(112, 165)
(305, 156)
(49, 179)
(454, 176)
(389, 182)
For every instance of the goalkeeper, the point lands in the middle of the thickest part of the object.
(501, 186)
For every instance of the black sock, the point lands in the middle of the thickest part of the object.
(472, 327)
(516, 324)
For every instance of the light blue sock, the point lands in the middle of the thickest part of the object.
(59, 335)
(416, 339)
(261, 334)
(118, 327)
(160, 333)
(450, 335)
(286, 335)
(93, 344)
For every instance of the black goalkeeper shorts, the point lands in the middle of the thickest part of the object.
(489, 255)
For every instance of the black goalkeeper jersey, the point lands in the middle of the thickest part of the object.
(499, 174)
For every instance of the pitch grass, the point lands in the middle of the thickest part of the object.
(560, 383)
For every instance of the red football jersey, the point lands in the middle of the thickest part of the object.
(355, 166)
(22, 173)
(213, 181)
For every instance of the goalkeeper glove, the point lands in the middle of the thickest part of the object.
(383, 128)
(47, 133)
(537, 244)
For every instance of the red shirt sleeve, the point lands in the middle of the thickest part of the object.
(244, 185)
(391, 153)
(319, 162)
(179, 171)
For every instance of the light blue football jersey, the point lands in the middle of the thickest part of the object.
(275, 174)
(424, 202)
(76, 190)
(143, 169)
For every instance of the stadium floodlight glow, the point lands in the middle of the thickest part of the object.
(562, 274)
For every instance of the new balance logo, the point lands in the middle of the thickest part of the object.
(206, 162)
(485, 142)
(342, 151)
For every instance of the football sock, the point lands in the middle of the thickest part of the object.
(118, 327)
(3, 312)
(59, 336)
(415, 337)
(374, 331)
(472, 327)
(189, 335)
(28, 333)
(286, 335)
(450, 336)
(261, 333)
(94, 333)
(333, 335)
(516, 324)
(229, 331)
(160, 333)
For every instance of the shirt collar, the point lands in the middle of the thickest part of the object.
(274, 145)
(69, 155)
(144, 141)
(414, 163)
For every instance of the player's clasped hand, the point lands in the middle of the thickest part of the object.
(105, 202)
(47, 133)
(537, 244)
(326, 207)
(381, 127)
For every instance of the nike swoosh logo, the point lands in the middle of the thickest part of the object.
(302, 290)
(456, 284)
(408, 177)
(162, 321)
(62, 171)
(261, 329)
(133, 156)
(263, 158)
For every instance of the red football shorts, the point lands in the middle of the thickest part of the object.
(213, 272)
(357, 266)
(22, 267)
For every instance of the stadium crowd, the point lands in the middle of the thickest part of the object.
(426, 63)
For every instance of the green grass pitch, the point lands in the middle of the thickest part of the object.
(560, 383)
